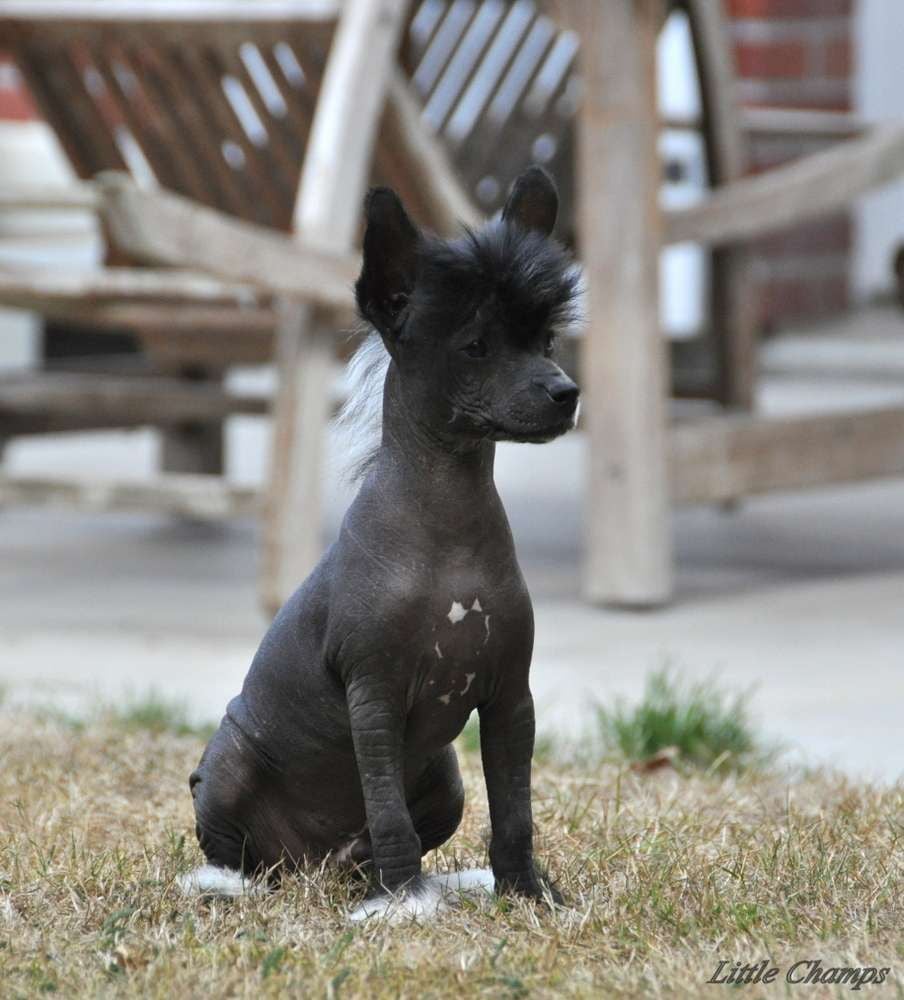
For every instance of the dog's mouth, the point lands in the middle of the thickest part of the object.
(533, 435)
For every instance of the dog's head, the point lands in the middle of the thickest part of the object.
(471, 322)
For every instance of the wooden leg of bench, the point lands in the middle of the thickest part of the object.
(628, 543)
(292, 511)
(195, 447)
(734, 317)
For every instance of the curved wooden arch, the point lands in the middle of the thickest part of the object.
(731, 305)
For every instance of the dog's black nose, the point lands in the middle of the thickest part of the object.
(560, 389)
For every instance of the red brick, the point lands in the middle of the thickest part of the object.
(835, 295)
(789, 8)
(839, 58)
(783, 60)
(833, 235)
(782, 300)
(16, 105)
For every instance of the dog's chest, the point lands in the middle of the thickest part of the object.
(462, 648)
(467, 641)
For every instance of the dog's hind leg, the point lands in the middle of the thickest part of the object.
(228, 853)
(439, 800)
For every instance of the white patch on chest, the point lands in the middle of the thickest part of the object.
(456, 612)
(445, 698)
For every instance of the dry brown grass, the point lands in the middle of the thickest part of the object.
(665, 876)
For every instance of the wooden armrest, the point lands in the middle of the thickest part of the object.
(425, 159)
(33, 288)
(207, 12)
(79, 195)
(156, 227)
(802, 190)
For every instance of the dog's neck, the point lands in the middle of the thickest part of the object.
(450, 481)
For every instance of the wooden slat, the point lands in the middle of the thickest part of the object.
(179, 12)
(801, 122)
(204, 497)
(628, 543)
(206, 347)
(77, 196)
(35, 64)
(152, 131)
(30, 289)
(499, 144)
(286, 146)
(727, 458)
(264, 202)
(158, 227)
(407, 147)
(173, 21)
(805, 189)
(298, 96)
(50, 403)
(132, 399)
(230, 324)
(173, 72)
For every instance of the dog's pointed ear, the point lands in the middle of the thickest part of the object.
(389, 268)
(533, 202)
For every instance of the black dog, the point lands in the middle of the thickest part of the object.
(340, 744)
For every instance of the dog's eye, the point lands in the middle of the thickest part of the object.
(397, 303)
(476, 349)
(550, 345)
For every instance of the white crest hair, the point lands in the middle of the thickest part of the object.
(360, 419)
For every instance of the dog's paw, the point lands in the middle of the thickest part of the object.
(420, 901)
(209, 880)
(535, 885)
(427, 897)
(469, 881)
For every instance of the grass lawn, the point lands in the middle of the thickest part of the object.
(666, 875)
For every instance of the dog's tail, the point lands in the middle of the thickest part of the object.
(210, 880)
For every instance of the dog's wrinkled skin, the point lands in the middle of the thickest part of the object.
(340, 743)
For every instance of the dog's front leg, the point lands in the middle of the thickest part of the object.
(378, 730)
(506, 746)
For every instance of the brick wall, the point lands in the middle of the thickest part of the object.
(15, 103)
(797, 54)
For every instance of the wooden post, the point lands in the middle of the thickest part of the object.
(195, 446)
(327, 214)
(618, 170)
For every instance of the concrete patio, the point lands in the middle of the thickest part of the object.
(799, 597)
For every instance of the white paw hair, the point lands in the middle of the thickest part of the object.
(208, 880)
(433, 894)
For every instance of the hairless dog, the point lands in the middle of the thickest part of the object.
(340, 743)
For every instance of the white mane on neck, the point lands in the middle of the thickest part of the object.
(360, 420)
